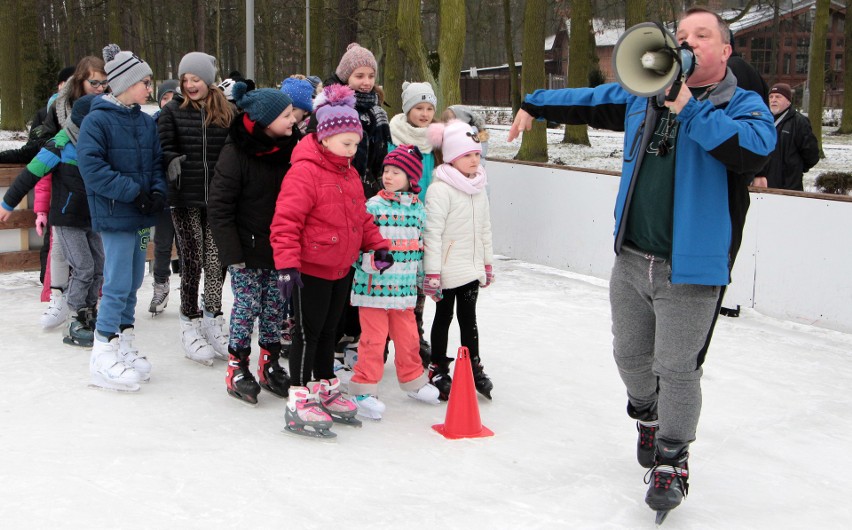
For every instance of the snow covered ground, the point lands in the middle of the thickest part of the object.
(772, 451)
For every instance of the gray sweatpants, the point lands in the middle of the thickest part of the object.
(84, 252)
(661, 332)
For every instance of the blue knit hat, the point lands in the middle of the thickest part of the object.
(300, 91)
(262, 105)
(81, 108)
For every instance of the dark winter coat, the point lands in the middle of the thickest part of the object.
(321, 220)
(795, 153)
(369, 159)
(68, 205)
(37, 138)
(183, 132)
(119, 157)
(722, 141)
(243, 192)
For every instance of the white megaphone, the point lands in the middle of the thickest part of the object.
(647, 60)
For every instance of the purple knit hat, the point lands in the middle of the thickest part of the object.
(335, 112)
(409, 159)
(354, 58)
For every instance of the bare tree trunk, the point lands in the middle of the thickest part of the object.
(411, 39)
(393, 68)
(29, 56)
(200, 24)
(318, 66)
(816, 69)
(514, 88)
(11, 113)
(114, 29)
(580, 59)
(451, 51)
(846, 119)
(534, 143)
(635, 13)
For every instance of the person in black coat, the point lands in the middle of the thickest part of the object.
(242, 202)
(192, 134)
(796, 150)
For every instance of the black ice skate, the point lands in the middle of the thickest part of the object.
(333, 403)
(425, 352)
(439, 376)
(647, 424)
(79, 332)
(160, 299)
(240, 382)
(481, 380)
(270, 374)
(668, 479)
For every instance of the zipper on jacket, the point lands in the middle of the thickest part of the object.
(67, 201)
(449, 248)
(473, 220)
(204, 152)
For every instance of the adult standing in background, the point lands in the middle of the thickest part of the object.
(797, 149)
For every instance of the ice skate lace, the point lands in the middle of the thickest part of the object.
(665, 475)
(647, 431)
(161, 291)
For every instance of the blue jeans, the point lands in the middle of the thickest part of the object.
(124, 269)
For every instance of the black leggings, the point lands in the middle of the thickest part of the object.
(464, 298)
(317, 308)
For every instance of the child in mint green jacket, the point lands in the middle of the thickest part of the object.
(386, 299)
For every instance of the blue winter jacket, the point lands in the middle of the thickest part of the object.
(119, 156)
(722, 142)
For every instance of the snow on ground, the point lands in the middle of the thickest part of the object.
(772, 450)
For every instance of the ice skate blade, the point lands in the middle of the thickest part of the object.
(203, 362)
(245, 400)
(486, 394)
(269, 389)
(99, 383)
(77, 344)
(661, 516)
(323, 435)
(350, 421)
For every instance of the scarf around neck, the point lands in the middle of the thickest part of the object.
(456, 179)
(368, 103)
(405, 198)
(403, 132)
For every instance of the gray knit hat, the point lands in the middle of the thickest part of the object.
(200, 64)
(415, 93)
(123, 68)
(169, 85)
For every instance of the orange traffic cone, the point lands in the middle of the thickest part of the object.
(463, 419)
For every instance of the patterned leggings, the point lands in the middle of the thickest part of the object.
(197, 250)
(256, 296)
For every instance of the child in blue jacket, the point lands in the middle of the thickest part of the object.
(121, 162)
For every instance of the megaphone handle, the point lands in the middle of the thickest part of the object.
(675, 89)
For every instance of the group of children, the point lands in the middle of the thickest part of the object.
(308, 196)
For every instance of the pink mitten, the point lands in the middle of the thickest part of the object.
(432, 286)
(41, 222)
(489, 276)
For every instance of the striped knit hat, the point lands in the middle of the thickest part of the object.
(335, 112)
(123, 68)
(409, 159)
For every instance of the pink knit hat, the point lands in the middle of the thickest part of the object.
(354, 58)
(455, 139)
(409, 159)
(335, 112)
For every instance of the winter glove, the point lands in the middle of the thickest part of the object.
(144, 202)
(41, 222)
(382, 260)
(173, 170)
(288, 279)
(489, 276)
(158, 202)
(432, 287)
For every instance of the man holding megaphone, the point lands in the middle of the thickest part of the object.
(692, 141)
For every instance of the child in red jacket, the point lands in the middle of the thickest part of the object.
(320, 225)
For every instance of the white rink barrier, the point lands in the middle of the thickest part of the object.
(794, 263)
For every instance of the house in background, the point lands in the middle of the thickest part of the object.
(757, 37)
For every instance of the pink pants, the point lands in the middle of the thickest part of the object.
(376, 325)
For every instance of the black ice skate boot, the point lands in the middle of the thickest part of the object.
(481, 380)
(668, 479)
(439, 376)
(241, 383)
(270, 374)
(79, 332)
(647, 424)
